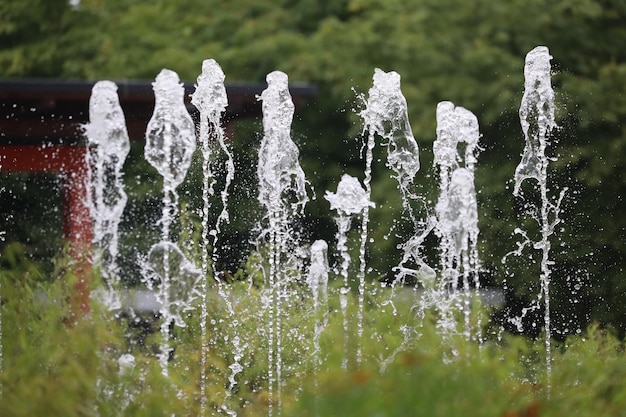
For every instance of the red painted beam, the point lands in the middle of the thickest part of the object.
(69, 162)
(42, 158)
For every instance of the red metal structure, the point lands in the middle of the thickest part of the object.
(70, 163)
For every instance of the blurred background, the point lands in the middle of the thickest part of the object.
(468, 52)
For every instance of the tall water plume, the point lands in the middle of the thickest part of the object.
(386, 115)
(211, 101)
(108, 147)
(455, 152)
(283, 196)
(170, 143)
(349, 200)
(317, 280)
(537, 121)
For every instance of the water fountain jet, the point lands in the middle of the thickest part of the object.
(170, 143)
(108, 146)
(283, 195)
(386, 115)
(536, 115)
(349, 200)
(456, 210)
(211, 101)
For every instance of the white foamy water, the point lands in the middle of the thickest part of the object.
(283, 195)
(170, 141)
(176, 281)
(537, 121)
(349, 200)
(211, 100)
(536, 116)
(455, 156)
(108, 147)
(387, 115)
(170, 144)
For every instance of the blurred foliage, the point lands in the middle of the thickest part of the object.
(55, 366)
(487, 381)
(471, 53)
(26, 199)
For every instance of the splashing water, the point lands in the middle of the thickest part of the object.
(460, 218)
(536, 117)
(282, 183)
(211, 101)
(458, 222)
(456, 209)
(176, 280)
(108, 148)
(386, 115)
(537, 122)
(350, 199)
(170, 143)
(317, 277)
(457, 127)
(317, 280)
(283, 194)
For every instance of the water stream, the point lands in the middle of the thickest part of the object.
(537, 120)
(170, 144)
(349, 200)
(211, 101)
(108, 146)
(455, 154)
(386, 116)
(283, 196)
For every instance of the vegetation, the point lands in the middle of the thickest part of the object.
(52, 366)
